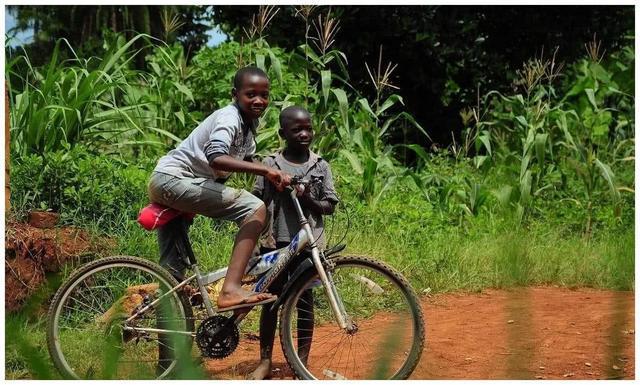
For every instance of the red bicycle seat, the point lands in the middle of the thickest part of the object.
(156, 215)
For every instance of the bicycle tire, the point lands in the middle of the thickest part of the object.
(92, 269)
(367, 273)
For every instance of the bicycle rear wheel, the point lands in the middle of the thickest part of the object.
(88, 337)
(389, 335)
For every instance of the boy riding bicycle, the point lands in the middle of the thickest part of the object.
(191, 179)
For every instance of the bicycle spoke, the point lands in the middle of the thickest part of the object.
(330, 351)
(354, 356)
(85, 306)
(381, 311)
(91, 312)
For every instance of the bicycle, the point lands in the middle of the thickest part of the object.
(126, 317)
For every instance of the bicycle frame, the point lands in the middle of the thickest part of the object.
(276, 261)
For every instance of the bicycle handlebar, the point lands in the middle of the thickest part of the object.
(300, 180)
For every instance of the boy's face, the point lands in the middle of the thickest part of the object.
(253, 96)
(298, 132)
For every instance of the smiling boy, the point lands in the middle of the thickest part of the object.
(191, 179)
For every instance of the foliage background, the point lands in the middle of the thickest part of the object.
(447, 53)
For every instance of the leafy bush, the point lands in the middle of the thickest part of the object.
(83, 187)
(214, 69)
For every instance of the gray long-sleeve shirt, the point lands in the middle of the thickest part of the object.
(221, 133)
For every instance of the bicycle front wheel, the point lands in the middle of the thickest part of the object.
(89, 337)
(388, 337)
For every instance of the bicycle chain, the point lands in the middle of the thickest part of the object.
(170, 319)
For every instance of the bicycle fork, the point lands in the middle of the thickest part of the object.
(334, 299)
(325, 277)
(337, 306)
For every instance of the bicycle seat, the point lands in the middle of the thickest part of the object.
(156, 215)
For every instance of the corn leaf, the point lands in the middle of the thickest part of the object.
(343, 105)
(184, 89)
(540, 145)
(260, 62)
(592, 98)
(353, 160)
(391, 100)
(609, 177)
(365, 106)
(276, 65)
(326, 84)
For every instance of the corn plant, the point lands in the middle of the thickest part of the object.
(370, 156)
(304, 12)
(451, 187)
(524, 134)
(472, 197)
(591, 171)
(77, 101)
(322, 67)
(167, 96)
(600, 95)
(551, 136)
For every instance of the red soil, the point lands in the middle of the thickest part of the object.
(30, 252)
(531, 333)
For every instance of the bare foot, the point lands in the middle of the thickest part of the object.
(239, 297)
(262, 371)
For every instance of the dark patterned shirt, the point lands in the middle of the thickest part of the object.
(283, 217)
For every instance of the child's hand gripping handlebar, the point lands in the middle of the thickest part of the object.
(300, 183)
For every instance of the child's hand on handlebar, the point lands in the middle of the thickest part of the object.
(301, 190)
(278, 178)
(302, 185)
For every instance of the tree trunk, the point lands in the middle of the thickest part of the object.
(114, 18)
(7, 190)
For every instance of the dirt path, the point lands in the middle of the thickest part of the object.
(532, 333)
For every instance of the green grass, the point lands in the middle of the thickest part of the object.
(444, 251)
(500, 255)
(26, 354)
(435, 251)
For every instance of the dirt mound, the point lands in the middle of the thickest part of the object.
(31, 252)
(23, 276)
(532, 333)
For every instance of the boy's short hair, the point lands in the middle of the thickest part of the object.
(247, 71)
(287, 114)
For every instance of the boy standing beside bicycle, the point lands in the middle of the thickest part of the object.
(316, 200)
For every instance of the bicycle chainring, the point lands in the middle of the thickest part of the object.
(217, 337)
